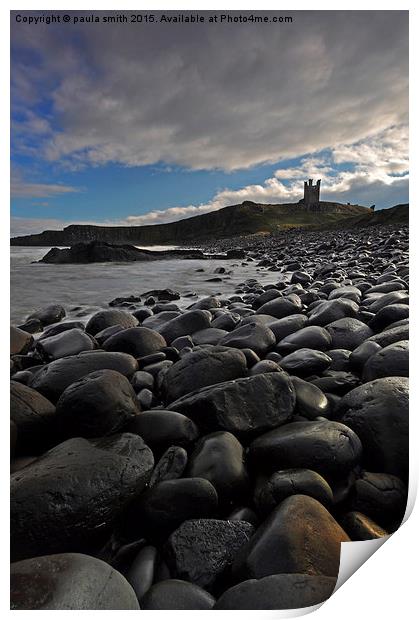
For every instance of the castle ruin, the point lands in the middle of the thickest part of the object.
(311, 193)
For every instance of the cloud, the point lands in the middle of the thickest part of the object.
(19, 188)
(209, 97)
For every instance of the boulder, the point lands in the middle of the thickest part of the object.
(348, 333)
(162, 428)
(63, 344)
(219, 458)
(47, 316)
(20, 341)
(259, 338)
(299, 536)
(170, 466)
(69, 581)
(392, 361)
(34, 417)
(312, 337)
(329, 448)
(378, 412)
(137, 341)
(69, 499)
(185, 325)
(201, 551)
(305, 362)
(177, 594)
(360, 527)
(107, 318)
(286, 591)
(244, 406)
(101, 403)
(311, 401)
(54, 378)
(328, 311)
(201, 368)
(281, 307)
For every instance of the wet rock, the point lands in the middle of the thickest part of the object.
(201, 551)
(391, 335)
(328, 311)
(282, 328)
(360, 527)
(69, 498)
(69, 581)
(54, 378)
(137, 341)
(207, 302)
(185, 325)
(243, 514)
(388, 315)
(391, 361)
(286, 591)
(202, 368)
(336, 382)
(177, 594)
(311, 401)
(305, 362)
(141, 380)
(299, 536)
(244, 406)
(161, 429)
(209, 336)
(69, 342)
(348, 333)
(34, 417)
(141, 572)
(270, 492)
(107, 318)
(387, 299)
(170, 466)
(362, 353)
(340, 359)
(102, 336)
(312, 337)
(219, 458)
(101, 403)
(165, 506)
(264, 366)
(59, 328)
(258, 338)
(20, 341)
(47, 316)
(226, 321)
(378, 413)
(382, 497)
(157, 321)
(281, 307)
(329, 448)
(32, 326)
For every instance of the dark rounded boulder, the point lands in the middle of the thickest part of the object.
(243, 407)
(142, 570)
(270, 492)
(68, 499)
(311, 401)
(281, 307)
(54, 378)
(201, 368)
(162, 428)
(306, 362)
(177, 594)
(219, 458)
(382, 497)
(282, 328)
(378, 412)
(312, 337)
(101, 403)
(171, 465)
(69, 581)
(63, 344)
(137, 341)
(165, 506)
(259, 338)
(348, 333)
(50, 314)
(299, 536)
(107, 318)
(286, 591)
(362, 353)
(392, 361)
(388, 315)
(328, 311)
(185, 324)
(329, 448)
(34, 417)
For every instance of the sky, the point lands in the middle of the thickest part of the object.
(136, 123)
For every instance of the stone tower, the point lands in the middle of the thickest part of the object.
(311, 192)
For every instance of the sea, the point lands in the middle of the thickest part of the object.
(85, 289)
